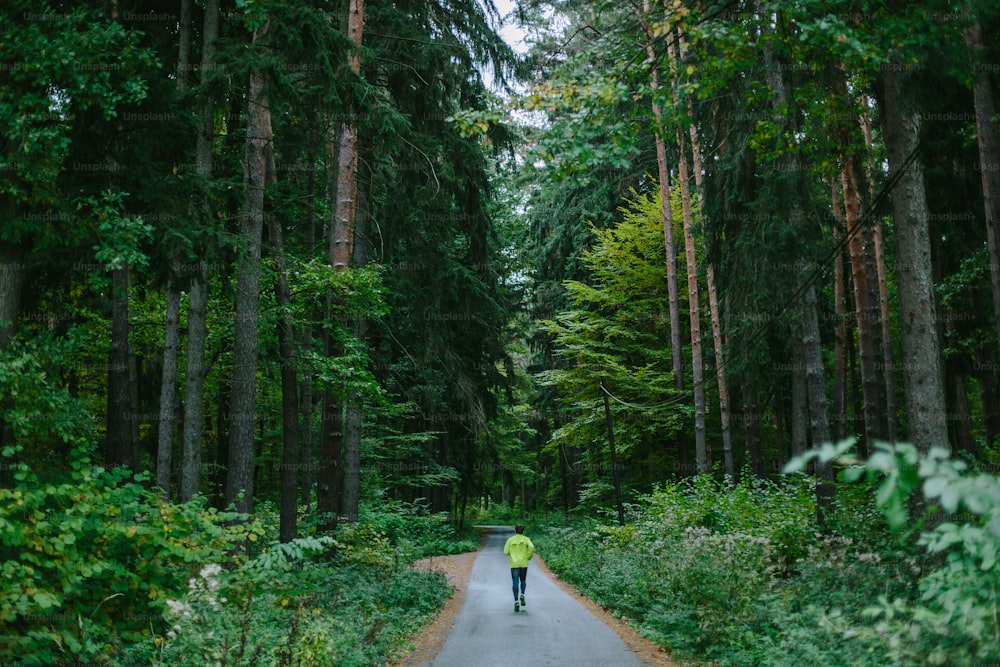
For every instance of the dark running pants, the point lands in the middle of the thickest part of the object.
(518, 574)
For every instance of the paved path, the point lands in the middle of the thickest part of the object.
(553, 628)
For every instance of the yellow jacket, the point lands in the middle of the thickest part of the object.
(520, 549)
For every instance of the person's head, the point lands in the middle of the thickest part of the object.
(519, 529)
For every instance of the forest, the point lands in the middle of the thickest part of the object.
(295, 292)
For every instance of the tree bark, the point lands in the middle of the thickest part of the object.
(800, 401)
(663, 174)
(839, 430)
(239, 480)
(751, 426)
(12, 271)
(288, 514)
(341, 252)
(194, 389)
(888, 366)
(694, 306)
(713, 307)
(922, 373)
(168, 386)
(171, 328)
(121, 449)
(989, 158)
(863, 306)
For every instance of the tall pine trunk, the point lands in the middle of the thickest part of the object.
(168, 388)
(861, 279)
(694, 306)
(239, 480)
(171, 324)
(888, 366)
(194, 384)
(288, 515)
(922, 373)
(344, 230)
(714, 312)
(839, 429)
(121, 447)
(12, 272)
(989, 159)
(663, 174)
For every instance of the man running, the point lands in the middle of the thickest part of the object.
(520, 549)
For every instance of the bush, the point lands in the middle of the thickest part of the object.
(291, 605)
(740, 574)
(86, 565)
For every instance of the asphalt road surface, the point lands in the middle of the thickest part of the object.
(551, 629)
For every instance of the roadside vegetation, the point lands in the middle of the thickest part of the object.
(740, 574)
(107, 571)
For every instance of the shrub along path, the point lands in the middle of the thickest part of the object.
(558, 626)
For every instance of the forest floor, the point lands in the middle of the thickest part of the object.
(458, 570)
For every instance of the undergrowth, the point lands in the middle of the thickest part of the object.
(739, 574)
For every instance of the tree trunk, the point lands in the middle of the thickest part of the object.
(239, 480)
(663, 175)
(800, 401)
(888, 366)
(694, 306)
(816, 389)
(809, 333)
(863, 306)
(341, 254)
(328, 484)
(194, 389)
(168, 386)
(288, 520)
(713, 308)
(171, 328)
(12, 270)
(121, 448)
(839, 430)
(989, 158)
(922, 374)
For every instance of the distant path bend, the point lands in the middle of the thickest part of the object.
(554, 628)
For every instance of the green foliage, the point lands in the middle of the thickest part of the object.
(296, 610)
(954, 620)
(88, 562)
(738, 573)
(42, 414)
(614, 328)
(400, 532)
(294, 604)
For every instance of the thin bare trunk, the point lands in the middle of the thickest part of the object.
(694, 306)
(888, 366)
(194, 389)
(800, 401)
(168, 389)
(839, 430)
(862, 301)
(239, 480)
(663, 174)
(922, 374)
(989, 159)
(809, 321)
(341, 254)
(122, 449)
(288, 519)
(713, 298)
(171, 328)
